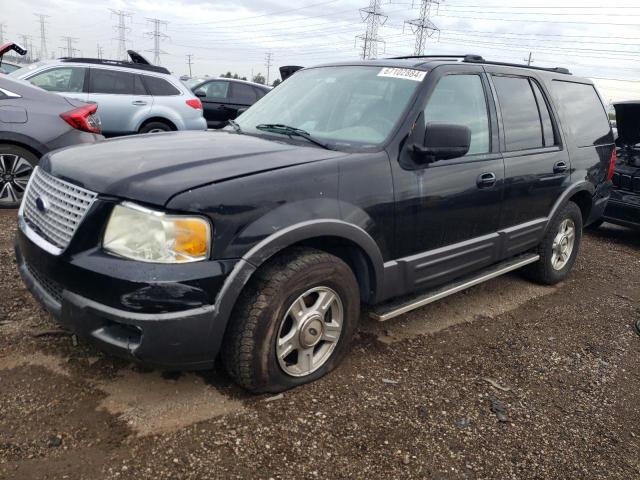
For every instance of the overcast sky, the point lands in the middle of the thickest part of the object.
(583, 35)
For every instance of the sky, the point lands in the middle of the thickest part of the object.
(600, 40)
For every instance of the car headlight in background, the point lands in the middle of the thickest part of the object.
(150, 236)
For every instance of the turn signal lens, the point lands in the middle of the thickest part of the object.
(191, 237)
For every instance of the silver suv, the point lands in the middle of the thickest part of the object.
(133, 97)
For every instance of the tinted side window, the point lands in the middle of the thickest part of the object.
(243, 93)
(582, 112)
(549, 138)
(215, 89)
(460, 99)
(260, 93)
(159, 87)
(520, 118)
(112, 82)
(68, 79)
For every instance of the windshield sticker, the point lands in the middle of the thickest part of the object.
(406, 73)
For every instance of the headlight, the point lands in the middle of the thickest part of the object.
(150, 236)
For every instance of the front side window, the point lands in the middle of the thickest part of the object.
(350, 106)
(66, 79)
(216, 89)
(460, 100)
(113, 82)
(520, 117)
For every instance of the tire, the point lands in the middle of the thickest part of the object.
(261, 328)
(16, 166)
(546, 270)
(155, 127)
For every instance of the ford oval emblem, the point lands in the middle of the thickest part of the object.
(42, 204)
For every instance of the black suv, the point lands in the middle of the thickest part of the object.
(387, 183)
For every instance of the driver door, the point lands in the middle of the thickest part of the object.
(447, 212)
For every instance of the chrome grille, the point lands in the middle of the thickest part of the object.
(54, 208)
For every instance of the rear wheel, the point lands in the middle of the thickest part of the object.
(155, 127)
(293, 322)
(559, 247)
(16, 166)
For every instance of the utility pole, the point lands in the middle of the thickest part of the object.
(43, 35)
(374, 17)
(529, 60)
(100, 52)
(189, 62)
(2, 25)
(422, 27)
(122, 29)
(69, 49)
(267, 63)
(157, 36)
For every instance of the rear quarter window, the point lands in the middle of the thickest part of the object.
(582, 113)
(159, 87)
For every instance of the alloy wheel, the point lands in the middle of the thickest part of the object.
(309, 331)
(14, 176)
(563, 244)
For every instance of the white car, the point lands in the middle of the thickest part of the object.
(133, 97)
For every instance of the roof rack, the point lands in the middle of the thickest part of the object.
(478, 59)
(116, 63)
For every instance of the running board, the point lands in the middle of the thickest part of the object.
(395, 308)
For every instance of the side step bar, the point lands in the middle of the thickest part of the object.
(395, 308)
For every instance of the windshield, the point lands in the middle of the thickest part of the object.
(351, 106)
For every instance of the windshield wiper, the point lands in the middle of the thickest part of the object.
(292, 132)
(235, 126)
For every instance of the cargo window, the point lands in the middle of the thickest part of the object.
(520, 117)
(582, 113)
(159, 87)
(460, 100)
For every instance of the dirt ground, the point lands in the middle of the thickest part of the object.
(508, 380)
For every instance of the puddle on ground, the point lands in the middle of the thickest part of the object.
(151, 404)
(489, 299)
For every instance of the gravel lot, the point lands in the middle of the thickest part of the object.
(507, 380)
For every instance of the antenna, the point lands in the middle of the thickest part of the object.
(122, 30)
(157, 36)
(375, 18)
(422, 27)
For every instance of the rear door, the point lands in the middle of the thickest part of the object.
(68, 81)
(242, 96)
(215, 102)
(537, 167)
(121, 97)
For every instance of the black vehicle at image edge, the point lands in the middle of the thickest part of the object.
(388, 183)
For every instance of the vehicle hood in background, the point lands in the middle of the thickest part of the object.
(153, 168)
(628, 123)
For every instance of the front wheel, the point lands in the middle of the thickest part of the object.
(559, 247)
(293, 322)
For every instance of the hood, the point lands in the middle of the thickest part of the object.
(153, 168)
(628, 122)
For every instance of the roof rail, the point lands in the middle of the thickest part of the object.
(116, 63)
(470, 58)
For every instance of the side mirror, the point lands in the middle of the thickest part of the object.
(443, 141)
(200, 94)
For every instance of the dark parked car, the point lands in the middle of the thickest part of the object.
(223, 97)
(624, 205)
(388, 183)
(32, 123)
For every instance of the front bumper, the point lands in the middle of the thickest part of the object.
(162, 322)
(624, 211)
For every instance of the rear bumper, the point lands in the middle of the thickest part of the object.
(197, 123)
(184, 338)
(625, 213)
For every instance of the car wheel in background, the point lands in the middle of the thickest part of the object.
(293, 322)
(16, 166)
(155, 127)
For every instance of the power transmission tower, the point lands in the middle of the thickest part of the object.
(189, 62)
(122, 29)
(68, 49)
(100, 52)
(422, 27)
(267, 63)
(26, 43)
(43, 35)
(157, 36)
(375, 18)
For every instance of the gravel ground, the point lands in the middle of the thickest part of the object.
(507, 380)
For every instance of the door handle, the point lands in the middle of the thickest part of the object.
(560, 167)
(486, 180)
(139, 103)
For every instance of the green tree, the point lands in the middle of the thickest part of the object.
(259, 78)
(277, 82)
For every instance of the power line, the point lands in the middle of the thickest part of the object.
(268, 61)
(157, 36)
(422, 26)
(374, 17)
(122, 29)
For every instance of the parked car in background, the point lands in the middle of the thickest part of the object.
(7, 67)
(624, 205)
(32, 123)
(134, 97)
(391, 183)
(223, 97)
